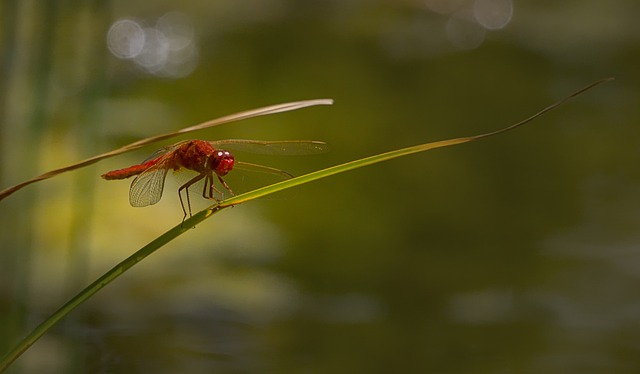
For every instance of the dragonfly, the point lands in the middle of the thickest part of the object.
(206, 158)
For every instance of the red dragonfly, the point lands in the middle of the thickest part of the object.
(205, 158)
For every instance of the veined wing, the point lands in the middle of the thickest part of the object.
(268, 147)
(146, 188)
(246, 166)
(247, 176)
(163, 150)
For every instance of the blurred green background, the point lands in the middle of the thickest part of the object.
(518, 254)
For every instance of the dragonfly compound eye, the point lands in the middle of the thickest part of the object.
(225, 162)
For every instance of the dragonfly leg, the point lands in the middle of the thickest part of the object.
(208, 186)
(225, 185)
(186, 188)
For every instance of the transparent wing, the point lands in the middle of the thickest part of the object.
(163, 150)
(246, 166)
(146, 188)
(278, 147)
(246, 177)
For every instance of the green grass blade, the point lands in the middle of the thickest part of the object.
(94, 287)
(165, 238)
(391, 155)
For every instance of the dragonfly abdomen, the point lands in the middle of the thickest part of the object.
(128, 172)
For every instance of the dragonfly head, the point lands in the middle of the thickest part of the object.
(222, 162)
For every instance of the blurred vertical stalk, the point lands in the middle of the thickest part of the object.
(91, 28)
(8, 43)
(29, 34)
(9, 313)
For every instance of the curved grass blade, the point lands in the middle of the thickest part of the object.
(197, 218)
(279, 108)
(260, 192)
(94, 287)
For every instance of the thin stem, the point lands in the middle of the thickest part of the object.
(165, 238)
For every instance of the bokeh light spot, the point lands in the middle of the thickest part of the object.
(493, 14)
(168, 49)
(125, 38)
(177, 28)
(463, 32)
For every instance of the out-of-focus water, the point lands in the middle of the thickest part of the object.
(517, 254)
